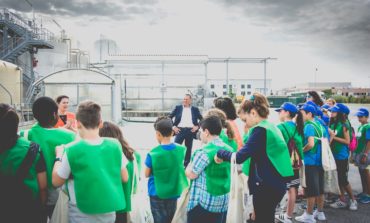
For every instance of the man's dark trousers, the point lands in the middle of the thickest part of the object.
(188, 136)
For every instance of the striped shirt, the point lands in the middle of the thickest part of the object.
(198, 189)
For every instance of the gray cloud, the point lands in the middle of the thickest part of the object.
(119, 10)
(333, 27)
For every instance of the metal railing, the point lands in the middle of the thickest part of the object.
(33, 29)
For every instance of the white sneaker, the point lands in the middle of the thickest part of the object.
(338, 204)
(283, 217)
(306, 218)
(353, 205)
(319, 215)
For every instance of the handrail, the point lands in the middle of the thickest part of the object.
(17, 40)
(38, 33)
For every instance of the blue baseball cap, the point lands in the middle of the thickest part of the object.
(326, 106)
(339, 107)
(287, 106)
(319, 112)
(317, 108)
(326, 119)
(362, 112)
(308, 108)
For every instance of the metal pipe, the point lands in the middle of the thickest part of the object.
(227, 76)
(264, 78)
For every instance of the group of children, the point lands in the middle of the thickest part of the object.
(96, 168)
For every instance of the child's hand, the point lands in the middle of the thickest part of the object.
(218, 160)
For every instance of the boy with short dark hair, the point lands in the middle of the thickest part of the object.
(209, 191)
(98, 168)
(45, 111)
(164, 167)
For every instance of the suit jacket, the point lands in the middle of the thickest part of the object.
(177, 113)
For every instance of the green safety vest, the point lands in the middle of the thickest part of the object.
(48, 139)
(338, 128)
(247, 163)
(217, 175)
(96, 171)
(127, 186)
(361, 146)
(11, 159)
(292, 132)
(318, 133)
(230, 142)
(168, 171)
(276, 148)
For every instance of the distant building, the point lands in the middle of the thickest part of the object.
(239, 87)
(355, 92)
(337, 88)
(323, 85)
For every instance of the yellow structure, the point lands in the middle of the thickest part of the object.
(11, 83)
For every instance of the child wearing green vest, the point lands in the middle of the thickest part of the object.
(340, 132)
(226, 105)
(210, 187)
(45, 111)
(293, 136)
(94, 167)
(20, 203)
(164, 167)
(362, 152)
(314, 172)
(113, 131)
(227, 134)
(270, 164)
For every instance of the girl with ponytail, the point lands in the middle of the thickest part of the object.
(293, 135)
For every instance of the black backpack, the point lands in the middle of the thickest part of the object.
(17, 203)
(295, 158)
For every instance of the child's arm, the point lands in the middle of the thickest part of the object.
(199, 163)
(148, 166)
(190, 174)
(346, 140)
(310, 144)
(124, 174)
(43, 186)
(56, 179)
(147, 171)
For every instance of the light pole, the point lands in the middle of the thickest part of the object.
(33, 12)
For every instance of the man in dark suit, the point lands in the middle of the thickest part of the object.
(186, 124)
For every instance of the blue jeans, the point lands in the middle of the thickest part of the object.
(201, 215)
(163, 210)
(188, 136)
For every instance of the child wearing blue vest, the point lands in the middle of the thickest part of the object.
(164, 167)
(94, 167)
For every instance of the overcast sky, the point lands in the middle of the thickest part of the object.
(332, 35)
